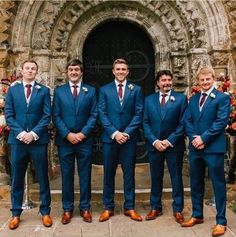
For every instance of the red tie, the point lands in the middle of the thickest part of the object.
(204, 95)
(28, 90)
(120, 91)
(163, 99)
(75, 92)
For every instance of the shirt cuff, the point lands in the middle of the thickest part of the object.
(114, 134)
(169, 143)
(20, 135)
(36, 137)
(126, 134)
(155, 142)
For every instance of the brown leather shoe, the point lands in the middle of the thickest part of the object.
(87, 217)
(47, 220)
(106, 215)
(152, 215)
(218, 230)
(133, 215)
(191, 222)
(66, 217)
(179, 218)
(14, 222)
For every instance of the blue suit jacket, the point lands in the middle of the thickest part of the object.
(114, 116)
(165, 123)
(74, 115)
(210, 123)
(34, 117)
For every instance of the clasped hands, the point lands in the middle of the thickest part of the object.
(161, 145)
(27, 138)
(197, 142)
(75, 138)
(121, 137)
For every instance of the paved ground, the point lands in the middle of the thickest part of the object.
(117, 226)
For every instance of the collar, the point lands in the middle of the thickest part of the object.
(31, 83)
(123, 83)
(167, 93)
(209, 91)
(77, 84)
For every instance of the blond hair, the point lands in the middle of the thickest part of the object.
(204, 71)
(119, 61)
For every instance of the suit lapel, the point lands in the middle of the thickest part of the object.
(34, 92)
(206, 104)
(114, 95)
(158, 105)
(69, 95)
(79, 99)
(22, 94)
(126, 95)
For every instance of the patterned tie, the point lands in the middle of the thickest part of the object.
(75, 91)
(204, 95)
(163, 99)
(120, 91)
(28, 90)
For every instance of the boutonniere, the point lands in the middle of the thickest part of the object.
(172, 98)
(130, 87)
(212, 95)
(37, 87)
(84, 89)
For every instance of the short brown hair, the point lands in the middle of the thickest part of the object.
(75, 62)
(118, 61)
(205, 70)
(29, 61)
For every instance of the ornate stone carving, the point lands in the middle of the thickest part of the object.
(196, 25)
(5, 16)
(44, 24)
(219, 59)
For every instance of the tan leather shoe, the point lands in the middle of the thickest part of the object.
(133, 215)
(66, 217)
(179, 218)
(14, 222)
(191, 222)
(218, 230)
(153, 214)
(106, 215)
(47, 220)
(87, 217)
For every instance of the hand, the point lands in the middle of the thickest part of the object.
(121, 138)
(160, 146)
(27, 138)
(80, 136)
(165, 143)
(72, 138)
(197, 142)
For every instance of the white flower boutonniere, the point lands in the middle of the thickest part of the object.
(172, 98)
(37, 87)
(131, 87)
(85, 89)
(212, 95)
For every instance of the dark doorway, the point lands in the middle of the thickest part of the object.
(113, 40)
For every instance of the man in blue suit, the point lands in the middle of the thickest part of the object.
(74, 115)
(120, 109)
(164, 130)
(28, 113)
(206, 118)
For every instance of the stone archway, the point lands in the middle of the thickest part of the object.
(185, 34)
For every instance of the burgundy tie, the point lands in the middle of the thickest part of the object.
(120, 91)
(163, 99)
(75, 92)
(204, 95)
(28, 90)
